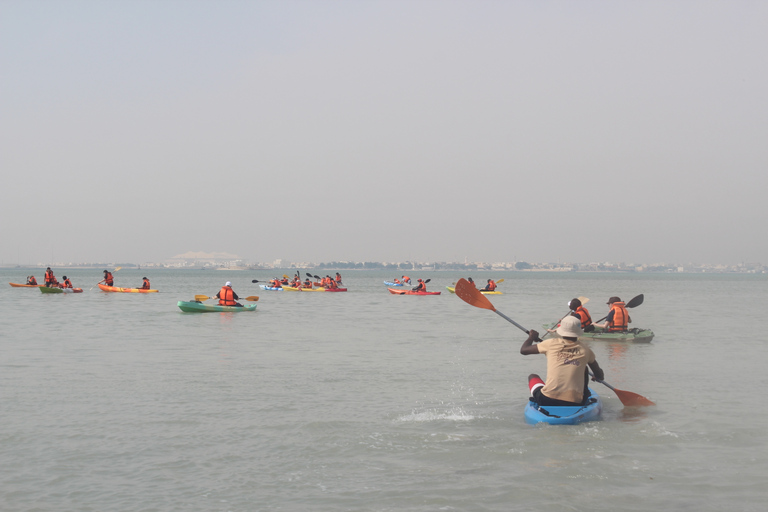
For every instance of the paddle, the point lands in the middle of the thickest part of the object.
(92, 287)
(252, 298)
(627, 398)
(636, 301)
(473, 297)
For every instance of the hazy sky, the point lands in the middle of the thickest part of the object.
(635, 131)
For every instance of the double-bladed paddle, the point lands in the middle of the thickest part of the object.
(473, 297)
(252, 298)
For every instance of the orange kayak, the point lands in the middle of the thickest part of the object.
(106, 288)
(17, 285)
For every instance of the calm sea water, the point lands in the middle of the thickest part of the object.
(369, 401)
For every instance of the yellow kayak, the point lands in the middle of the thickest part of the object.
(453, 290)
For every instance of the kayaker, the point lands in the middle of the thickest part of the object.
(307, 284)
(421, 287)
(406, 280)
(49, 279)
(567, 361)
(145, 284)
(338, 278)
(471, 282)
(31, 280)
(491, 286)
(227, 296)
(332, 284)
(108, 279)
(397, 281)
(66, 283)
(578, 309)
(618, 318)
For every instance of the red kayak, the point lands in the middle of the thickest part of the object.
(395, 291)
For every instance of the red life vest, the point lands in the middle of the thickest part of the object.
(491, 286)
(145, 286)
(406, 280)
(422, 287)
(108, 280)
(332, 284)
(586, 320)
(67, 284)
(620, 318)
(49, 277)
(227, 296)
(32, 280)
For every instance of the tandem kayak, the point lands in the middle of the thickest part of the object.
(292, 289)
(635, 335)
(18, 285)
(199, 307)
(51, 289)
(410, 292)
(106, 288)
(452, 289)
(564, 415)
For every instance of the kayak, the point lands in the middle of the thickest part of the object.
(564, 415)
(17, 285)
(272, 288)
(453, 290)
(292, 289)
(106, 288)
(199, 307)
(392, 283)
(635, 335)
(410, 292)
(50, 289)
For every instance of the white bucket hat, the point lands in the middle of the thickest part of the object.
(570, 326)
(228, 284)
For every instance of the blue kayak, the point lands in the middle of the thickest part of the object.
(564, 415)
(274, 289)
(390, 283)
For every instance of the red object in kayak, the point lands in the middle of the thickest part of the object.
(395, 291)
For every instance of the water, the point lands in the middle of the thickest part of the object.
(369, 401)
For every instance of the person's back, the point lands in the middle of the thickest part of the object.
(145, 284)
(567, 361)
(227, 296)
(31, 280)
(618, 318)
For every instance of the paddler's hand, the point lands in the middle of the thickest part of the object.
(533, 336)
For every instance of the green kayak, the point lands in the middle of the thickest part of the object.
(631, 336)
(199, 307)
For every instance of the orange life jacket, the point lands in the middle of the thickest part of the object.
(586, 320)
(145, 286)
(422, 287)
(491, 286)
(32, 280)
(620, 317)
(49, 277)
(332, 284)
(227, 296)
(397, 281)
(406, 279)
(66, 284)
(338, 277)
(307, 284)
(108, 280)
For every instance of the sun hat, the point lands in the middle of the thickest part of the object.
(570, 327)
(613, 299)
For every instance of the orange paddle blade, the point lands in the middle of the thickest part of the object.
(631, 399)
(472, 295)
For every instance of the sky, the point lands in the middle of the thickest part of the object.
(540, 131)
